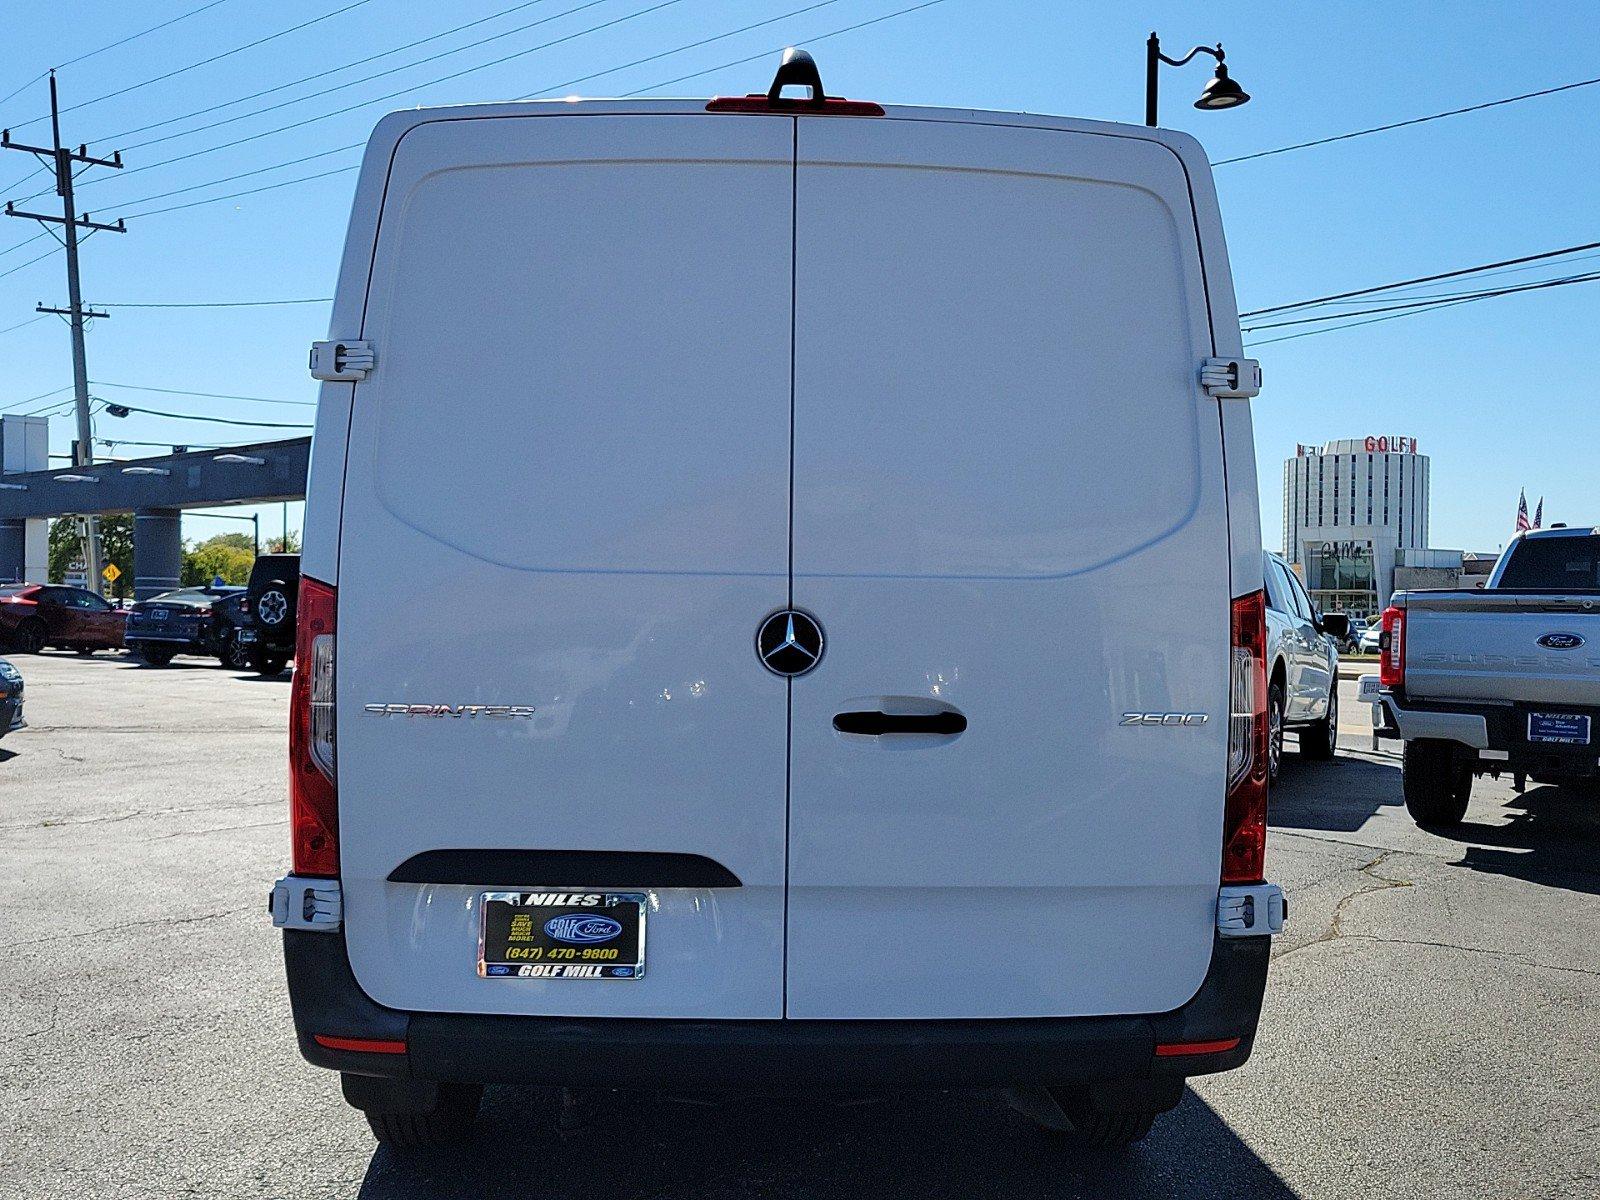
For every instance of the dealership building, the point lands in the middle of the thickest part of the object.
(1355, 513)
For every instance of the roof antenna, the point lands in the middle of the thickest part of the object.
(798, 69)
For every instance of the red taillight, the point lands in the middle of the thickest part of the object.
(385, 1046)
(1172, 1049)
(1244, 819)
(833, 106)
(1392, 652)
(313, 792)
(22, 600)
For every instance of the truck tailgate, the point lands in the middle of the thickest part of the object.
(1533, 648)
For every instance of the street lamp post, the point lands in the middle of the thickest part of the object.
(1221, 92)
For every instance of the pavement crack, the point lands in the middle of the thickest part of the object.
(1509, 955)
(1377, 883)
(83, 933)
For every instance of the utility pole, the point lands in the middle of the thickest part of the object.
(62, 160)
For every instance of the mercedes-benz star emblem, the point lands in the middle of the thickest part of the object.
(789, 642)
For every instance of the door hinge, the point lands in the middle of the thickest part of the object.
(305, 903)
(342, 362)
(1230, 378)
(1251, 911)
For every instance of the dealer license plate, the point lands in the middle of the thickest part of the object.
(247, 635)
(562, 934)
(1567, 729)
(159, 614)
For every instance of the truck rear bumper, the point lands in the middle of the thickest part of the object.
(1214, 1031)
(1497, 732)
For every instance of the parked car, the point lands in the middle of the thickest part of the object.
(1370, 638)
(235, 630)
(996, 460)
(1502, 679)
(34, 616)
(182, 621)
(10, 698)
(1302, 667)
(272, 600)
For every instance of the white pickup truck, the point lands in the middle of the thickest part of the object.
(1504, 679)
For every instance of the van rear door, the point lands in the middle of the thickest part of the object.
(1009, 511)
(567, 489)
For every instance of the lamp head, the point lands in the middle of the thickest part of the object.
(1222, 92)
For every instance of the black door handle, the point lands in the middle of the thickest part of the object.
(877, 723)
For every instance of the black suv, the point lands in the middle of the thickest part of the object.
(268, 642)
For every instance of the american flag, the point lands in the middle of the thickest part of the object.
(1538, 513)
(1522, 511)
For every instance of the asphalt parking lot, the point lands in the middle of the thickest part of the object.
(1432, 1024)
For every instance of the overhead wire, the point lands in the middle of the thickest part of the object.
(323, 74)
(204, 62)
(631, 16)
(132, 37)
(1455, 274)
(1415, 311)
(137, 387)
(1454, 112)
(1429, 302)
(554, 87)
(156, 412)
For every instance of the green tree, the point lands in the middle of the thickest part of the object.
(116, 546)
(229, 555)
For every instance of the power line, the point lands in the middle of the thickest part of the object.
(40, 396)
(1430, 302)
(204, 62)
(200, 112)
(155, 212)
(24, 242)
(193, 12)
(339, 87)
(1454, 112)
(660, 4)
(1384, 287)
(20, 324)
(677, 49)
(217, 304)
(555, 87)
(1422, 308)
(155, 412)
(135, 387)
(739, 62)
(29, 263)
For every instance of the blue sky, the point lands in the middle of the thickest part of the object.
(1501, 393)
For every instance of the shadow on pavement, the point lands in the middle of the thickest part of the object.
(1552, 839)
(915, 1145)
(1341, 794)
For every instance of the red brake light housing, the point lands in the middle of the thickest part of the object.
(1392, 649)
(833, 106)
(1244, 821)
(313, 787)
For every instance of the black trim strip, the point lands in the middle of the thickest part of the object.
(565, 869)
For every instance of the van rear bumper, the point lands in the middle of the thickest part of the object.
(760, 1055)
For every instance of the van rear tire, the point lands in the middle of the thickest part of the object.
(448, 1123)
(1436, 786)
(1104, 1118)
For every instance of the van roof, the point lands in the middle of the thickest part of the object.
(393, 126)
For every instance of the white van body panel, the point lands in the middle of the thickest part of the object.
(959, 390)
(567, 485)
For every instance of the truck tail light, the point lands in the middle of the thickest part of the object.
(313, 789)
(1244, 819)
(1392, 648)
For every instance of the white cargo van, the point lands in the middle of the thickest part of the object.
(852, 673)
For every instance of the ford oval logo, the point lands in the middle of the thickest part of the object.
(1561, 641)
(582, 929)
